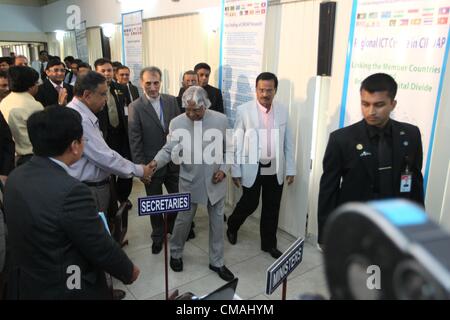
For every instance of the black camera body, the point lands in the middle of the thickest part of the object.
(386, 250)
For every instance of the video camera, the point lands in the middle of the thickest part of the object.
(386, 250)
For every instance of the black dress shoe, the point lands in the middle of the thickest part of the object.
(156, 247)
(223, 272)
(176, 264)
(191, 235)
(118, 294)
(232, 237)
(129, 205)
(274, 252)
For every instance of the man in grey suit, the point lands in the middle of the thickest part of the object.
(148, 126)
(202, 173)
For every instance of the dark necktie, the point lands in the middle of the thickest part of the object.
(384, 166)
(42, 71)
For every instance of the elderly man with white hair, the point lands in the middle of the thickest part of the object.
(197, 140)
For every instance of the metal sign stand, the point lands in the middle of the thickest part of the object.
(155, 205)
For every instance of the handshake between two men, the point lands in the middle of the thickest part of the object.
(151, 168)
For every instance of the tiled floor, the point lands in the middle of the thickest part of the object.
(245, 260)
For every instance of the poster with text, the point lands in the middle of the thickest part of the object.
(132, 44)
(81, 42)
(242, 46)
(407, 39)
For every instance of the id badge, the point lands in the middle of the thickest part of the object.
(405, 183)
(126, 111)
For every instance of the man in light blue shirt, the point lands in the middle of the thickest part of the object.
(99, 161)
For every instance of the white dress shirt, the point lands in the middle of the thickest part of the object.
(98, 160)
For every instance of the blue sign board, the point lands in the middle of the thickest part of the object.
(174, 202)
(280, 270)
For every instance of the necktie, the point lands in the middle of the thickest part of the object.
(112, 111)
(384, 166)
(161, 115)
(58, 88)
(42, 71)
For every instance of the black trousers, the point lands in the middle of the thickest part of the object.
(123, 188)
(170, 181)
(247, 205)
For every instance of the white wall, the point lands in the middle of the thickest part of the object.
(109, 11)
(438, 192)
(329, 105)
(20, 19)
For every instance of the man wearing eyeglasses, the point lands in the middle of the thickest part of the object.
(53, 91)
(123, 78)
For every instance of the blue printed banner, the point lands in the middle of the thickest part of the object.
(175, 202)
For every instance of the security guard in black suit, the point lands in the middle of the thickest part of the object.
(376, 158)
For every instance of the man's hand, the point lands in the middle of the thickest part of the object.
(136, 273)
(149, 171)
(62, 97)
(218, 177)
(3, 179)
(237, 182)
(290, 180)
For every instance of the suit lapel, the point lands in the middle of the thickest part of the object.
(254, 116)
(165, 109)
(150, 110)
(364, 150)
(399, 146)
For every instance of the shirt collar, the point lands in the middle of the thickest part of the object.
(374, 131)
(264, 109)
(61, 164)
(55, 85)
(84, 109)
(151, 100)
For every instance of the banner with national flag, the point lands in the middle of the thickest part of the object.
(408, 40)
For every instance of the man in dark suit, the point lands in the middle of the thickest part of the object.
(53, 90)
(123, 78)
(190, 78)
(7, 149)
(60, 248)
(203, 71)
(376, 158)
(148, 128)
(113, 121)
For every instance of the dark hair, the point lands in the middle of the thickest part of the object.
(380, 82)
(267, 76)
(88, 82)
(122, 67)
(8, 60)
(116, 64)
(54, 58)
(3, 74)
(84, 65)
(151, 69)
(190, 72)
(69, 58)
(43, 52)
(52, 130)
(101, 62)
(54, 62)
(21, 79)
(77, 62)
(202, 65)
